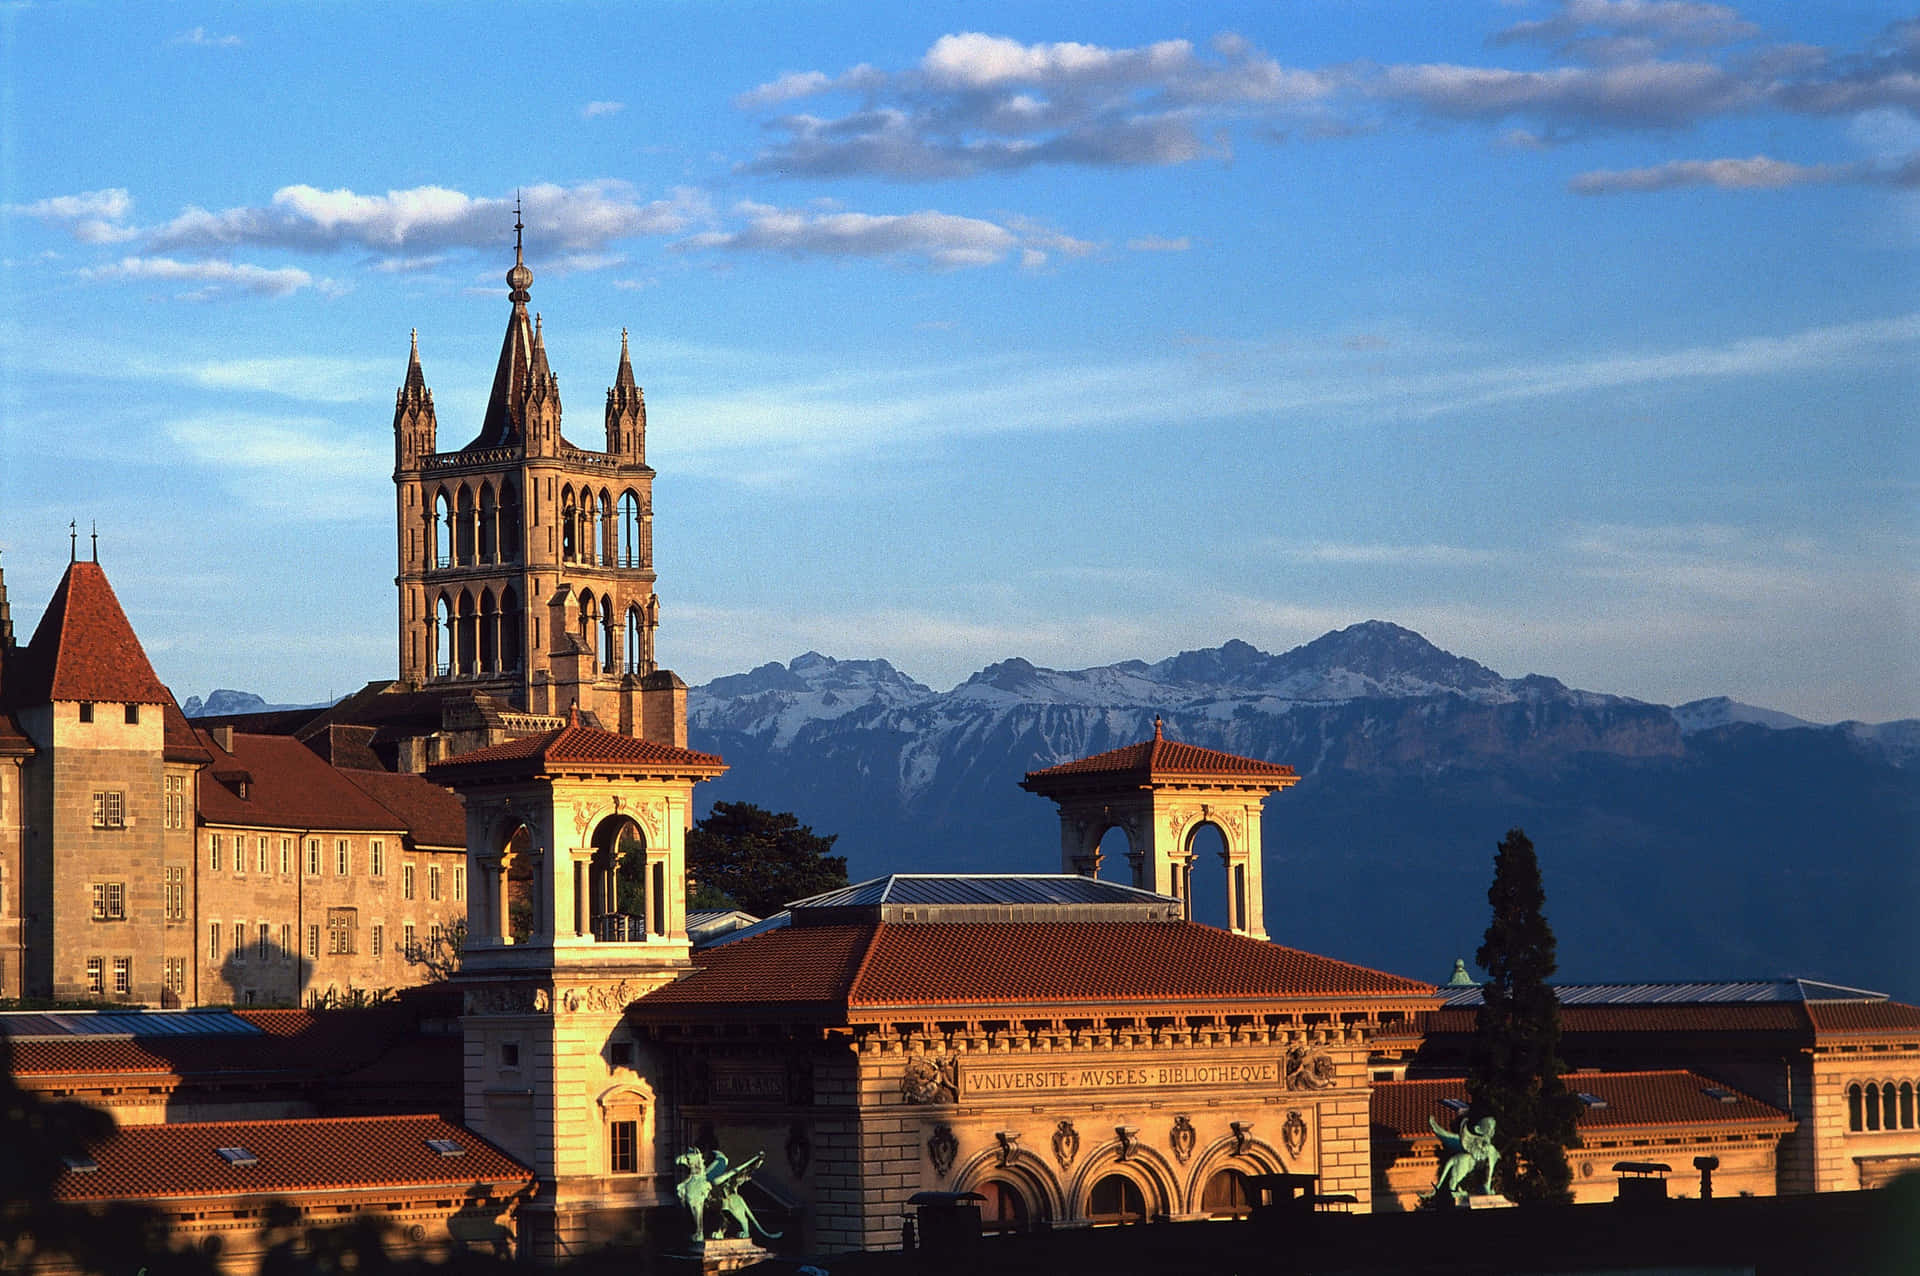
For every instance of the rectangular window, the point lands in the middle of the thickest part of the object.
(213, 941)
(86, 715)
(406, 943)
(377, 857)
(343, 925)
(406, 881)
(313, 857)
(213, 852)
(109, 809)
(313, 941)
(286, 851)
(340, 857)
(133, 715)
(459, 883)
(379, 938)
(95, 984)
(123, 972)
(239, 941)
(433, 881)
(176, 802)
(176, 909)
(286, 941)
(265, 945)
(260, 855)
(109, 901)
(624, 1141)
(177, 976)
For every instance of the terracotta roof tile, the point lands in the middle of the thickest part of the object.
(84, 648)
(434, 816)
(156, 1162)
(577, 745)
(1004, 963)
(1864, 1017)
(13, 741)
(1632, 1099)
(1161, 757)
(181, 744)
(287, 787)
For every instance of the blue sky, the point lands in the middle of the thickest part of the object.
(1578, 336)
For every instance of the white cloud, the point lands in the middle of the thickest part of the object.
(1159, 244)
(1759, 172)
(595, 110)
(220, 277)
(297, 447)
(1376, 555)
(939, 239)
(92, 217)
(202, 38)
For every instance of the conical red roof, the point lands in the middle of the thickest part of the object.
(1161, 758)
(85, 648)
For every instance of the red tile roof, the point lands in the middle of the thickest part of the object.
(181, 744)
(434, 816)
(872, 966)
(1865, 1018)
(576, 745)
(84, 649)
(315, 1154)
(1160, 758)
(287, 787)
(1632, 1099)
(13, 741)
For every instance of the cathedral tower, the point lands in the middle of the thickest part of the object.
(526, 563)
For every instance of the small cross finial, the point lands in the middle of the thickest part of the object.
(96, 540)
(73, 541)
(517, 226)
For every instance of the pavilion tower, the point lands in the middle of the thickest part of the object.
(526, 562)
(1161, 793)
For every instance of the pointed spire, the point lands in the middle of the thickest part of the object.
(539, 366)
(623, 379)
(416, 379)
(1156, 728)
(73, 541)
(6, 614)
(96, 540)
(505, 422)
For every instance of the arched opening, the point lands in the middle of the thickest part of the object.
(1116, 1200)
(509, 522)
(1906, 1105)
(443, 635)
(629, 530)
(489, 525)
(1205, 885)
(1116, 857)
(510, 622)
(609, 640)
(489, 633)
(619, 891)
(1004, 1209)
(633, 641)
(463, 526)
(1889, 1107)
(603, 529)
(442, 537)
(590, 625)
(568, 527)
(1873, 1105)
(1856, 1119)
(464, 643)
(521, 889)
(1227, 1195)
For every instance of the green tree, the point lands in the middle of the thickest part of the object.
(1514, 1073)
(741, 856)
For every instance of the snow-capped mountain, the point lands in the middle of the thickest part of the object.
(1681, 842)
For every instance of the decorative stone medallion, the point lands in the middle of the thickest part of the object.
(942, 1148)
(1294, 1133)
(1182, 1139)
(1066, 1144)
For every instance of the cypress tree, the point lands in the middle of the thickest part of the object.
(1514, 1073)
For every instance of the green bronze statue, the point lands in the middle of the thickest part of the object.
(1473, 1146)
(715, 1183)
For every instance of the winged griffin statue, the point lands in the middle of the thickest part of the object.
(716, 1183)
(1473, 1146)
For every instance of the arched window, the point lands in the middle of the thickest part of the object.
(1226, 1195)
(510, 622)
(1906, 1105)
(489, 633)
(1889, 1107)
(463, 526)
(443, 643)
(603, 532)
(1205, 883)
(633, 640)
(509, 522)
(464, 643)
(589, 620)
(609, 643)
(567, 521)
(442, 539)
(1855, 1119)
(1873, 1106)
(489, 525)
(629, 530)
(1116, 1199)
(1004, 1210)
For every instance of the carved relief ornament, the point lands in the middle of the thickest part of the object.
(931, 1078)
(1182, 1138)
(942, 1148)
(1066, 1144)
(1294, 1133)
(1310, 1068)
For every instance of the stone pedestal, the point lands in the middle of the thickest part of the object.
(712, 1257)
(1480, 1202)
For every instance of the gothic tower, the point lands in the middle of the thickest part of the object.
(526, 562)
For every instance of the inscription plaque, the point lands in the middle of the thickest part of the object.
(985, 1081)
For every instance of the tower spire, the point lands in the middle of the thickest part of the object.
(6, 616)
(506, 419)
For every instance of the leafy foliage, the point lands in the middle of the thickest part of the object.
(742, 856)
(1514, 1073)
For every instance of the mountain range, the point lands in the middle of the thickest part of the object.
(1706, 840)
